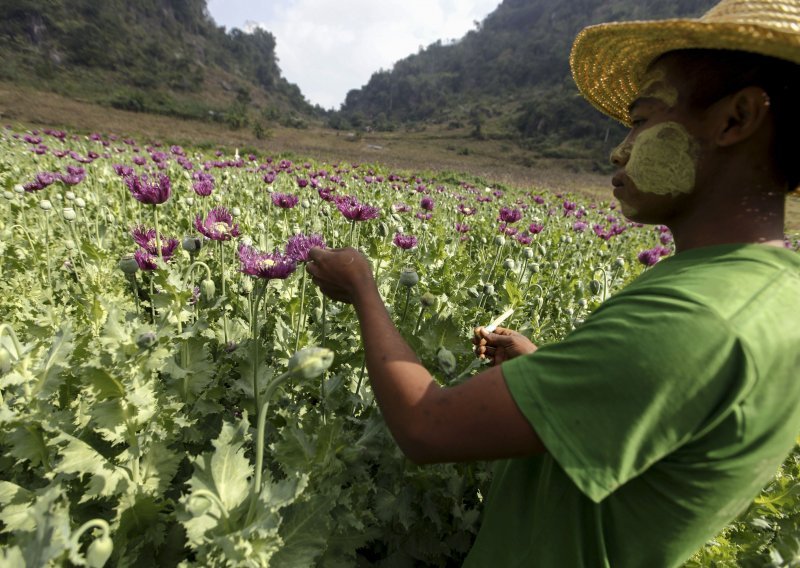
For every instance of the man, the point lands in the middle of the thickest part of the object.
(655, 423)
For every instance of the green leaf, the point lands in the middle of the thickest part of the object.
(53, 364)
(27, 443)
(16, 502)
(78, 457)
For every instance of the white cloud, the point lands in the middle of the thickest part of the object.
(328, 47)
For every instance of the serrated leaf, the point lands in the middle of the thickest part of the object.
(27, 443)
(103, 383)
(16, 502)
(106, 479)
(158, 466)
(52, 365)
(305, 530)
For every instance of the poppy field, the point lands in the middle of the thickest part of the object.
(175, 391)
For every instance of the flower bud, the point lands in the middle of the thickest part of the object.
(127, 264)
(527, 252)
(427, 299)
(45, 205)
(99, 552)
(192, 244)
(499, 240)
(409, 277)
(509, 264)
(19, 189)
(207, 289)
(69, 244)
(198, 505)
(310, 362)
(446, 360)
(146, 339)
(190, 201)
(619, 262)
(80, 202)
(541, 250)
(235, 211)
(595, 287)
(110, 218)
(5, 360)
(488, 289)
(305, 204)
(68, 213)
(534, 268)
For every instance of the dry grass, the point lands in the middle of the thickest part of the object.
(434, 150)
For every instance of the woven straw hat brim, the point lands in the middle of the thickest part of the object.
(608, 61)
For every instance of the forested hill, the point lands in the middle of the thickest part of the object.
(151, 55)
(512, 70)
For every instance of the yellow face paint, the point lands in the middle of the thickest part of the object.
(655, 86)
(662, 160)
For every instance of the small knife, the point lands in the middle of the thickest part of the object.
(498, 320)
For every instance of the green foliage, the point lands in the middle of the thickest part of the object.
(123, 401)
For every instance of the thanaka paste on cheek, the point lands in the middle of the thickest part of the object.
(662, 160)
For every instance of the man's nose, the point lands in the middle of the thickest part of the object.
(621, 154)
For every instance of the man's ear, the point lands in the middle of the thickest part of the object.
(742, 115)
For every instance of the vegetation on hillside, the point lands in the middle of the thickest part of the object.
(163, 56)
(507, 78)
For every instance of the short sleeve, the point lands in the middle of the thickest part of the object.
(626, 388)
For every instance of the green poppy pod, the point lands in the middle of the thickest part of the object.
(311, 362)
(499, 240)
(5, 360)
(409, 277)
(527, 252)
(45, 205)
(509, 264)
(99, 552)
(127, 264)
(146, 339)
(192, 244)
(68, 213)
(428, 300)
(446, 360)
(488, 289)
(208, 289)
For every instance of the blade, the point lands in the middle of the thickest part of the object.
(499, 319)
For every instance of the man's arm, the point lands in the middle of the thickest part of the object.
(476, 420)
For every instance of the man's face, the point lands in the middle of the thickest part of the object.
(657, 162)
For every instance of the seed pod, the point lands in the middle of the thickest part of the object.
(509, 264)
(409, 277)
(245, 286)
(146, 339)
(305, 204)
(310, 362)
(534, 268)
(596, 287)
(427, 300)
(45, 205)
(189, 201)
(68, 213)
(69, 244)
(446, 360)
(499, 240)
(235, 211)
(70, 195)
(582, 303)
(541, 250)
(8, 195)
(555, 265)
(619, 262)
(192, 244)
(207, 289)
(247, 241)
(80, 202)
(99, 552)
(488, 289)
(527, 252)
(127, 264)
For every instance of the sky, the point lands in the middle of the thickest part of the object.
(328, 47)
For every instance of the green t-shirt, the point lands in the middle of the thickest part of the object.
(664, 414)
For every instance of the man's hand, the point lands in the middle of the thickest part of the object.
(339, 273)
(502, 345)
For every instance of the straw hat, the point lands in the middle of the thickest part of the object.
(609, 60)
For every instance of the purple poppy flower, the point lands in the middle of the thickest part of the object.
(145, 191)
(569, 207)
(524, 239)
(651, 256)
(405, 242)
(146, 239)
(298, 246)
(218, 225)
(427, 204)
(123, 170)
(41, 181)
(72, 179)
(424, 216)
(401, 208)
(579, 226)
(265, 265)
(462, 228)
(354, 211)
(466, 211)
(535, 228)
(145, 260)
(285, 200)
(510, 215)
(139, 160)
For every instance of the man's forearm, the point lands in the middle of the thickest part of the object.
(399, 380)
